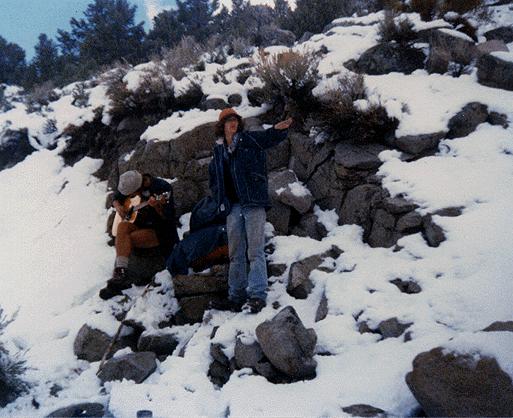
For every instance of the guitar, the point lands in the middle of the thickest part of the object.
(132, 207)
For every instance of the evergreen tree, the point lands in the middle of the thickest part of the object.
(281, 12)
(166, 32)
(196, 17)
(12, 62)
(46, 59)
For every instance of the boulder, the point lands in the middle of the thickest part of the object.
(234, 99)
(306, 155)
(495, 118)
(133, 366)
(500, 326)
(221, 368)
(390, 57)
(186, 194)
(149, 157)
(247, 355)
(491, 46)
(433, 233)
(359, 157)
(143, 264)
(327, 187)
(362, 410)
(190, 285)
(494, 70)
(322, 309)
(162, 345)
(15, 147)
(278, 156)
(192, 308)
(406, 286)
(382, 233)
(358, 203)
(449, 384)
(504, 33)
(276, 269)
(284, 187)
(457, 46)
(418, 144)
(88, 409)
(409, 223)
(288, 345)
(90, 344)
(279, 216)
(467, 120)
(214, 104)
(392, 328)
(197, 170)
(309, 226)
(192, 144)
(450, 211)
(398, 205)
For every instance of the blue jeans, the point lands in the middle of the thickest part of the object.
(245, 227)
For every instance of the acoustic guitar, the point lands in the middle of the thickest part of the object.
(132, 207)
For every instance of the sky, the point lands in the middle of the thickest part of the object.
(21, 21)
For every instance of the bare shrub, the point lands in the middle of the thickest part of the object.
(41, 95)
(240, 47)
(50, 127)
(189, 98)
(188, 52)
(346, 122)
(12, 369)
(426, 8)
(395, 29)
(80, 95)
(289, 76)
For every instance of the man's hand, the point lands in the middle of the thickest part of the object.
(284, 124)
(158, 205)
(120, 209)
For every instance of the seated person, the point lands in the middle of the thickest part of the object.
(153, 226)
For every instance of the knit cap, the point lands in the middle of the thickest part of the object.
(130, 182)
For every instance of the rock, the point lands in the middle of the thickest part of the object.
(305, 37)
(500, 326)
(186, 194)
(220, 369)
(409, 223)
(309, 226)
(133, 366)
(234, 99)
(459, 385)
(279, 216)
(288, 345)
(190, 285)
(306, 155)
(284, 187)
(358, 203)
(433, 233)
(467, 120)
(504, 33)
(406, 286)
(247, 355)
(322, 309)
(495, 118)
(197, 170)
(80, 410)
(493, 71)
(458, 47)
(278, 156)
(276, 269)
(359, 157)
(272, 35)
(149, 157)
(256, 96)
(392, 328)
(327, 187)
(418, 144)
(491, 46)
(192, 308)
(15, 147)
(390, 57)
(382, 233)
(90, 344)
(362, 410)
(397, 205)
(214, 104)
(143, 264)
(217, 353)
(450, 212)
(272, 374)
(162, 345)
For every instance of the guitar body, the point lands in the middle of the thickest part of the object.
(131, 217)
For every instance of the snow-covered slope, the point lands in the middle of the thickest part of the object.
(54, 258)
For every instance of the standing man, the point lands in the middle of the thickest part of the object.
(238, 181)
(154, 226)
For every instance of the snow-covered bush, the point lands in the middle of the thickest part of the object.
(40, 96)
(345, 113)
(396, 29)
(290, 76)
(187, 53)
(11, 369)
(4, 103)
(460, 6)
(80, 95)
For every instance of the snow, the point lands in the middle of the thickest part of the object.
(457, 34)
(503, 55)
(298, 189)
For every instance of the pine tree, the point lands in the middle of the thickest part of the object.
(166, 32)
(12, 62)
(46, 59)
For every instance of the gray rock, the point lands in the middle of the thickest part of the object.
(276, 269)
(247, 355)
(504, 33)
(309, 226)
(279, 217)
(327, 187)
(197, 170)
(15, 147)
(272, 374)
(450, 212)
(186, 194)
(215, 104)
(362, 410)
(358, 204)
(359, 157)
(190, 285)
(217, 353)
(281, 190)
(500, 326)
(162, 345)
(80, 410)
(322, 309)
(418, 144)
(133, 366)
(299, 284)
(409, 223)
(288, 345)
(495, 118)
(433, 233)
(453, 43)
(278, 156)
(491, 46)
(458, 385)
(495, 72)
(234, 99)
(306, 155)
(306, 36)
(143, 264)
(220, 369)
(407, 286)
(382, 233)
(397, 205)
(390, 57)
(90, 344)
(467, 120)
(192, 308)
(392, 328)
(149, 157)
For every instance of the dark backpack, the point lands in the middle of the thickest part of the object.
(206, 213)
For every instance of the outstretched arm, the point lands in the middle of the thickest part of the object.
(272, 136)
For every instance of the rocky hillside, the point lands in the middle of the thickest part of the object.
(389, 244)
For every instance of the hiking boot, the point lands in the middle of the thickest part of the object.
(254, 305)
(225, 305)
(116, 284)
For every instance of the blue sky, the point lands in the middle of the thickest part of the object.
(21, 21)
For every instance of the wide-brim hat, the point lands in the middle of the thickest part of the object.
(130, 182)
(226, 113)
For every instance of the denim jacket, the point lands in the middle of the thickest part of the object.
(248, 166)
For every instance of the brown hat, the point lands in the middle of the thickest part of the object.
(228, 112)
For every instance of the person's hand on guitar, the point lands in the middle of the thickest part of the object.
(120, 209)
(157, 204)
